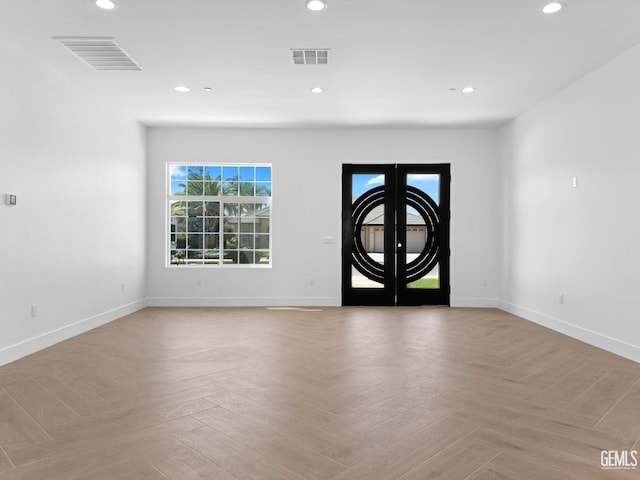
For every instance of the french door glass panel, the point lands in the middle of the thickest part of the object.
(420, 225)
(370, 243)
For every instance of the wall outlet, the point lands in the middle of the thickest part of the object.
(122, 288)
(561, 299)
(34, 310)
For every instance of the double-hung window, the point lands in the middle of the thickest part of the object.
(219, 214)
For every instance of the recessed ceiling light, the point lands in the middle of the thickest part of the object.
(208, 89)
(468, 90)
(182, 89)
(106, 4)
(317, 90)
(316, 5)
(553, 7)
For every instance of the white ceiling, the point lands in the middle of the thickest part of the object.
(391, 62)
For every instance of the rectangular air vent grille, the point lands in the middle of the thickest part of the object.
(100, 53)
(310, 56)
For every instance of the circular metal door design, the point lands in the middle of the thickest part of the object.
(425, 207)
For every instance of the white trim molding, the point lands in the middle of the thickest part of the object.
(243, 302)
(610, 344)
(26, 347)
(474, 302)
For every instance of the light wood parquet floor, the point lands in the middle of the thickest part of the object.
(336, 393)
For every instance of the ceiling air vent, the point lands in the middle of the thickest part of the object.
(100, 53)
(310, 56)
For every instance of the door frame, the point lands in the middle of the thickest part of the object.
(394, 292)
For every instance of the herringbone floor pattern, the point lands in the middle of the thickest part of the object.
(334, 393)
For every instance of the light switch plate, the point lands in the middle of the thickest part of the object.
(11, 199)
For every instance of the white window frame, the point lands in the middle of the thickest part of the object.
(222, 200)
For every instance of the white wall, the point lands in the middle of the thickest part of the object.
(522, 235)
(307, 169)
(581, 242)
(78, 231)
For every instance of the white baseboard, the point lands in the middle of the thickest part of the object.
(14, 352)
(243, 302)
(474, 302)
(286, 302)
(34, 344)
(613, 345)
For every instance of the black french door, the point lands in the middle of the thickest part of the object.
(395, 234)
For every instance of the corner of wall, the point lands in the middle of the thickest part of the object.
(31, 345)
(610, 344)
